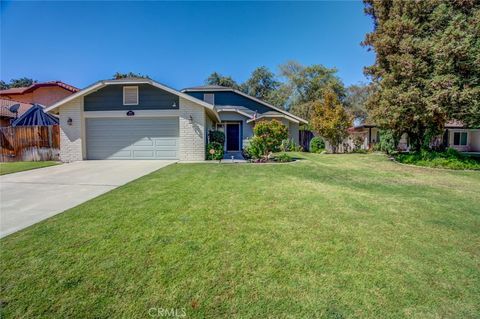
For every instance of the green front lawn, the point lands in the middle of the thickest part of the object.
(14, 167)
(332, 236)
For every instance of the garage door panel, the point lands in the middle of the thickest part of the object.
(127, 138)
(143, 154)
(166, 142)
(144, 142)
(123, 154)
(167, 153)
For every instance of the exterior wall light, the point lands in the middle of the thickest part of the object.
(174, 105)
(70, 121)
(190, 119)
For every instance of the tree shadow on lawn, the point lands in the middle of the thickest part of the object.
(436, 201)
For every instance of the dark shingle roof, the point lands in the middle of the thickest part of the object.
(207, 88)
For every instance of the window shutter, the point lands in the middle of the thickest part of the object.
(130, 95)
(463, 138)
(209, 98)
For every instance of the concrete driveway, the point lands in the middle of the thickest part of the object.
(31, 196)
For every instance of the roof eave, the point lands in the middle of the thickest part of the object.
(247, 96)
(274, 116)
(207, 90)
(98, 85)
(236, 111)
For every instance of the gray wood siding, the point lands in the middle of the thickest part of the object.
(232, 98)
(110, 98)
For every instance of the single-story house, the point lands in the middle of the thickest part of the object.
(136, 118)
(456, 135)
(461, 138)
(44, 93)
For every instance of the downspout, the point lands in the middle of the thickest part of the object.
(446, 138)
(369, 137)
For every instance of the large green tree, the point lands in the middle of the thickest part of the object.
(262, 84)
(17, 83)
(119, 75)
(356, 100)
(217, 79)
(3, 85)
(307, 84)
(427, 66)
(330, 119)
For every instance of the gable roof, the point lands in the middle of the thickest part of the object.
(34, 86)
(217, 88)
(102, 83)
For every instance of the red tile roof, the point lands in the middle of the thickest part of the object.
(33, 87)
(5, 108)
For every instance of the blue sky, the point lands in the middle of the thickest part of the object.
(179, 43)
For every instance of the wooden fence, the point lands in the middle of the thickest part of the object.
(29, 143)
(305, 138)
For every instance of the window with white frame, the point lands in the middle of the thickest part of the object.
(460, 138)
(130, 95)
(209, 98)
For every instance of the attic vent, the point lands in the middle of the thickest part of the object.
(209, 98)
(130, 95)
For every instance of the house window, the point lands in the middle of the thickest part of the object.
(460, 138)
(130, 95)
(209, 98)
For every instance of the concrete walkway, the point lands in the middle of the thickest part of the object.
(233, 157)
(31, 196)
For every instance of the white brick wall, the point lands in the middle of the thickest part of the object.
(192, 135)
(71, 135)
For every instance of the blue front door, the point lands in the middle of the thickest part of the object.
(233, 136)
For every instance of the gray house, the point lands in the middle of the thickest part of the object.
(143, 119)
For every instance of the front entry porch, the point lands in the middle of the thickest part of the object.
(235, 156)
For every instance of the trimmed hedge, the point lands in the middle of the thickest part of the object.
(451, 159)
(317, 144)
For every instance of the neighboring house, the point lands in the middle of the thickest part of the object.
(461, 138)
(364, 134)
(6, 116)
(456, 136)
(239, 112)
(44, 93)
(142, 119)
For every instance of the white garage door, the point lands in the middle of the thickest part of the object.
(132, 138)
